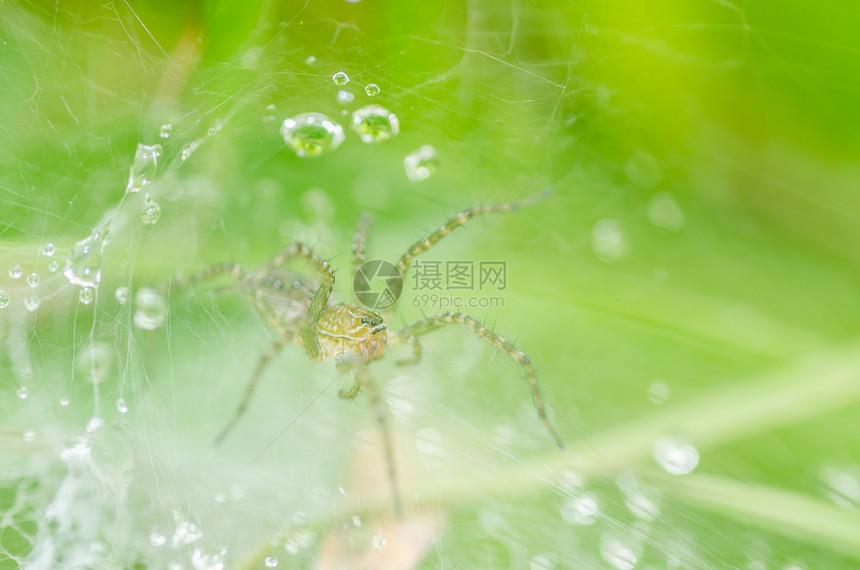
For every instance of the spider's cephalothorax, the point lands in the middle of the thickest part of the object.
(299, 311)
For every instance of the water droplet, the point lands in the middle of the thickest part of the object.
(64, 401)
(32, 303)
(94, 361)
(142, 170)
(271, 562)
(22, 392)
(311, 60)
(421, 163)
(842, 486)
(371, 89)
(33, 280)
(77, 453)
(186, 532)
(87, 295)
(300, 519)
(620, 552)
(378, 541)
(356, 520)
(658, 392)
(676, 455)
(344, 97)
(150, 309)
(541, 563)
(150, 212)
(220, 498)
(311, 134)
(15, 272)
(156, 539)
(212, 131)
(340, 78)
(570, 481)
(4, 299)
(29, 435)
(94, 425)
(580, 510)
(271, 108)
(608, 240)
(53, 266)
(374, 124)
(664, 212)
(48, 249)
(121, 406)
(165, 131)
(121, 295)
(84, 266)
(188, 151)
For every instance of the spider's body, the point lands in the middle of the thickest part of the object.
(299, 311)
(343, 329)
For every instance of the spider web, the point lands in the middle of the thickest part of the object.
(142, 143)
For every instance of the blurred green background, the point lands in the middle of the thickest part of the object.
(688, 293)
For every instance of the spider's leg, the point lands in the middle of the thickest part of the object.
(428, 242)
(252, 385)
(233, 269)
(395, 339)
(320, 299)
(428, 325)
(359, 243)
(352, 362)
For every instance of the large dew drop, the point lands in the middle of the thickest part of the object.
(150, 309)
(676, 455)
(311, 134)
(374, 124)
(142, 170)
(84, 266)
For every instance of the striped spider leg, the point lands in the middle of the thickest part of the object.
(410, 334)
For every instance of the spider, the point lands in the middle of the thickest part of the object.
(300, 311)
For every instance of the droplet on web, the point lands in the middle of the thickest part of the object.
(311, 134)
(48, 250)
(23, 393)
(609, 241)
(84, 266)
(621, 552)
(87, 295)
(150, 212)
(4, 299)
(340, 78)
(121, 406)
(271, 562)
(121, 295)
(581, 509)
(165, 131)
(15, 272)
(371, 89)
(344, 97)
(150, 309)
(33, 280)
(32, 303)
(374, 124)
(676, 455)
(664, 212)
(143, 168)
(53, 266)
(421, 163)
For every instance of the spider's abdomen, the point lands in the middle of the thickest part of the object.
(346, 329)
